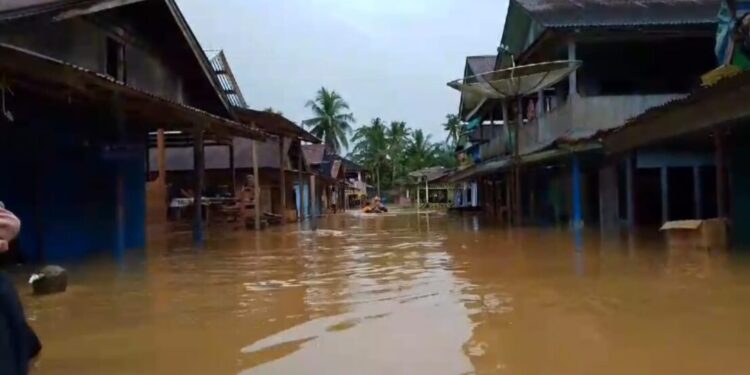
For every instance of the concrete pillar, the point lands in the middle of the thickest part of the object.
(282, 179)
(256, 186)
(664, 194)
(630, 191)
(577, 194)
(697, 192)
(198, 184)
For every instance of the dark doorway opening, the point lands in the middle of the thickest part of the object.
(648, 197)
(681, 206)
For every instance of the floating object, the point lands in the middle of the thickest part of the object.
(704, 234)
(49, 280)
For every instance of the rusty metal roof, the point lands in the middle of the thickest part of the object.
(57, 78)
(274, 123)
(314, 154)
(595, 13)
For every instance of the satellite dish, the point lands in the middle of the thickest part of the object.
(516, 81)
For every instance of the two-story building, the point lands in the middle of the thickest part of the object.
(82, 85)
(635, 56)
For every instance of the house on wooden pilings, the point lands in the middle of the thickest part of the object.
(483, 137)
(635, 56)
(84, 83)
(230, 162)
(332, 179)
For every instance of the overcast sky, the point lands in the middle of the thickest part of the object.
(387, 58)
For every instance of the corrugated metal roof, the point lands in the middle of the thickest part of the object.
(20, 64)
(274, 123)
(579, 13)
(16, 9)
(314, 153)
(228, 83)
(480, 64)
(725, 85)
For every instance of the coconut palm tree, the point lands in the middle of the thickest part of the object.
(454, 127)
(371, 147)
(420, 153)
(398, 138)
(332, 121)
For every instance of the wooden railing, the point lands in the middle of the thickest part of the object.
(581, 115)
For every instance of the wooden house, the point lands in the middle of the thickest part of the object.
(83, 84)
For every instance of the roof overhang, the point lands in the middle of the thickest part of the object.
(726, 102)
(273, 123)
(63, 81)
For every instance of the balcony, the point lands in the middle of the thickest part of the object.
(586, 115)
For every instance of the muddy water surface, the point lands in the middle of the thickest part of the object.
(400, 295)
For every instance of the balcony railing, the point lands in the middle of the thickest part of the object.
(586, 115)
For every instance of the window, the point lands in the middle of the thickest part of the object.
(116, 60)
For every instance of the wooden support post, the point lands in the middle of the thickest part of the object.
(697, 192)
(629, 191)
(161, 151)
(518, 209)
(573, 77)
(664, 194)
(300, 186)
(426, 193)
(313, 198)
(721, 208)
(282, 179)
(418, 200)
(532, 197)
(198, 184)
(508, 202)
(540, 107)
(232, 168)
(577, 194)
(506, 127)
(256, 186)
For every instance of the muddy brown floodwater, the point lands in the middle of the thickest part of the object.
(400, 295)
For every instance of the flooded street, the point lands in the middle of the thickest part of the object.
(400, 295)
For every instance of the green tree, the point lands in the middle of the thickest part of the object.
(371, 148)
(397, 136)
(445, 156)
(421, 152)
(271, 110)
(454, 127)
(332, 121)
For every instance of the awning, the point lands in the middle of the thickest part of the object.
(726, 102)
(495, 166)
(70, 83)
(275, 124)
